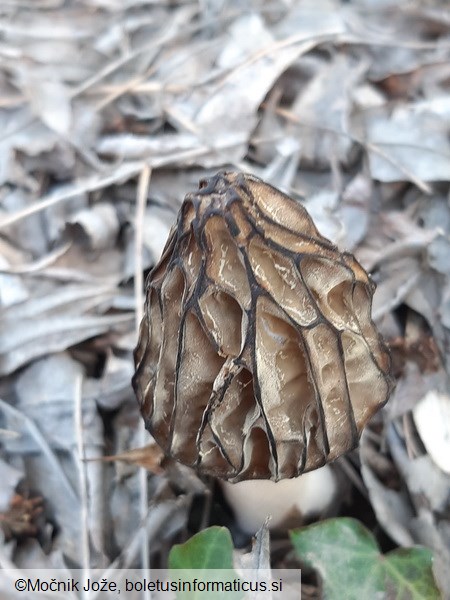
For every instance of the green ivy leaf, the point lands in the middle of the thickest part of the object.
(212, 548)
(348, 559)
(209, 553)
(409, 573)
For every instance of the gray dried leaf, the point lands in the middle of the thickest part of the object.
(156, 227)
(113, 388)
(29, 234)
(10, 477)
(354, 210)
(87, 124)
(325, 106)
(322, 206)
(401, 58)
(156, 224)
(247, 35)
(100, 224)
(50, 101)
(439, 253)
(423, 478)
(397, 281)
(69, 299)
(411, 388)
(45, 392)
(21, 132)
(73, 265)
(282, 169)
(444, 310)
(425, 299)
(435, 213)
(29, 338)
(12, 290)
(165, 187)
(46, 25)
(397, 236)
(269, 129)
(312, 18)
(414, 144)
(392, 508)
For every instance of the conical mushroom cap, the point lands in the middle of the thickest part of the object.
(257, 355)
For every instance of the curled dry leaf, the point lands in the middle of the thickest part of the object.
(257, 357)
(149, 457)
(20, 519)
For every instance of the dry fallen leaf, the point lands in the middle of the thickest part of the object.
(149, 457)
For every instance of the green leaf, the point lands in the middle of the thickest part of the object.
(345, 554)
(212, 548)
(408, 571)
(348, 559)
(210, 553)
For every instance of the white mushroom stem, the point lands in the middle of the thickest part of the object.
(306, 496)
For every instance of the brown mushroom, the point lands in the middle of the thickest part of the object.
(257, 356)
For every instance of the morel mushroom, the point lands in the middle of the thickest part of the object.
(257, 356)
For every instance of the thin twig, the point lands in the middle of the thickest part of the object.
(352, 474)
(141, 201)
(80, 458)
